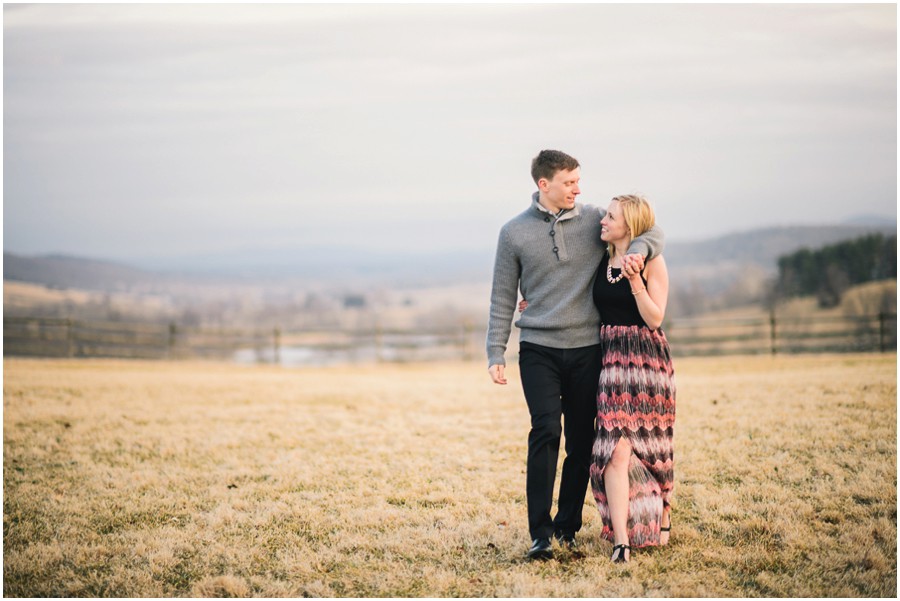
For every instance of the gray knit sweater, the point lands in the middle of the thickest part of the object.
(552, 260)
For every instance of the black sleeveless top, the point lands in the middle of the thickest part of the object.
(615, 302)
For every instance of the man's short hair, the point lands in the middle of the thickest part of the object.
(548, 162)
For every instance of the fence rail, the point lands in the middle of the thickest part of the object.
(46, 337)
(776, 334)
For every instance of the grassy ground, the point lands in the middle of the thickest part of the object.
(176, 479)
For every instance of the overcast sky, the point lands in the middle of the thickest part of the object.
(133, 132)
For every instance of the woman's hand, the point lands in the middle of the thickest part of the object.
(632, 265)
(523, 304)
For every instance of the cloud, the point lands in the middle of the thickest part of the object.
(202, 126)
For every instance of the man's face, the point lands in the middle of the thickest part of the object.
(559, 193)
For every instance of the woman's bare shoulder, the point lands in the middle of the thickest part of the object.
(656, 264)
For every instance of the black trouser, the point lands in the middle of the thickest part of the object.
(558, 382)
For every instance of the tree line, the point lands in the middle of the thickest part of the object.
(827, 272)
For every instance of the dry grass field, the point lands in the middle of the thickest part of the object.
(202, 479)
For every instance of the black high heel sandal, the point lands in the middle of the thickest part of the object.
(621, 555)
(667, 528)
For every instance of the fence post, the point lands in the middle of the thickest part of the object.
(171, 343)
(379, 343)
(772, 338)
(881, 319)
(464, 339)
(277, 335)
(70, 339)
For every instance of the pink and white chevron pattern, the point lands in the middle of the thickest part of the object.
(636, 400)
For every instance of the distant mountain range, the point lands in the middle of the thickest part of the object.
(762, 247)
(62, 271)
(716, 262)
(303, 267)
(735, 269)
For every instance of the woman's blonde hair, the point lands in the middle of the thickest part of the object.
(638, 216)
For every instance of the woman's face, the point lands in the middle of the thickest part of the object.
(612, 226)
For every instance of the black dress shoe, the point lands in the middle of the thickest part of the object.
(566, 540)
(540, 549)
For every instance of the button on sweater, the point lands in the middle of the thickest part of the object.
(552, 259)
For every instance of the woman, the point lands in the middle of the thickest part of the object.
(631, 471)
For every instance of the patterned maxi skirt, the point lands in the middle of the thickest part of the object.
(636, 400)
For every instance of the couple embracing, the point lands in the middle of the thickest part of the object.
(592, 358)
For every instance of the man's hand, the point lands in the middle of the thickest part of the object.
(496, 372)
(632, 265)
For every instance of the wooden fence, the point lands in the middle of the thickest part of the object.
(776, 334)
(43, 337)
(48, 337)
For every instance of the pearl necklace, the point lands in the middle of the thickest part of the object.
(609, 278)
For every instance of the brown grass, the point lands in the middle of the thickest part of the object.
(192, 479)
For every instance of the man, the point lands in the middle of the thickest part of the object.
(552, 252)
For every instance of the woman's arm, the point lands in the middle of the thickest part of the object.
(652, 298)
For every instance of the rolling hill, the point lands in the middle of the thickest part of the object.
(710, 274)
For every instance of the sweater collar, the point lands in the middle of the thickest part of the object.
(566, 214)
